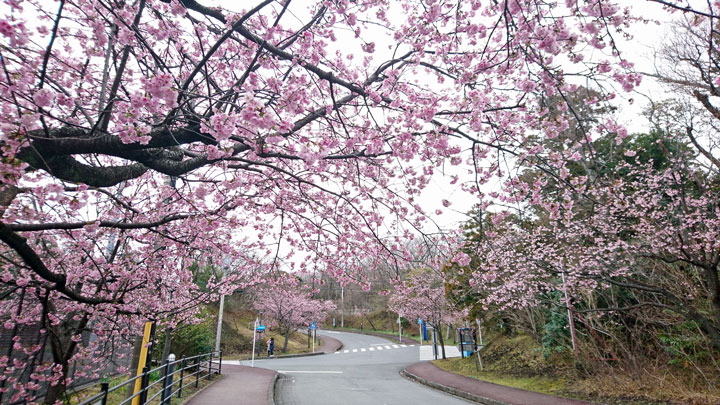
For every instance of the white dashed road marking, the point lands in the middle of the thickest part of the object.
(372, 349)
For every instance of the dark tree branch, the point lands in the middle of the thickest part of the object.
(102, 224)
(28, 255)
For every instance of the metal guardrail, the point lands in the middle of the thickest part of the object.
(190, 368)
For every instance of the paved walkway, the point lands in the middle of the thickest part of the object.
(328, 345)
(479, 391)
(240, 385)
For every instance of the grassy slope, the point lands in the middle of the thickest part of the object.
(518, 362)
(238, 341)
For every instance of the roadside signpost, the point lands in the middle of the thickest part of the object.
(313, 328)
(255, 332)
(420, 332)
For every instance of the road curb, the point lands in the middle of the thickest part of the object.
(450, 390)
(271, 393)
(290, 356)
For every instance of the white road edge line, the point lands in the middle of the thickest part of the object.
(310, 371)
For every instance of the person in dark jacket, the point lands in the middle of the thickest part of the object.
(271, 347)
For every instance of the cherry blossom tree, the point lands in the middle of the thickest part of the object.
(156, 127)
(422, 295)
(647, 229)
(253, 113)
(290, 305)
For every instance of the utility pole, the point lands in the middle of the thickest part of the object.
(219, 325)
(168, 338)
(220, 312)
(170, 181)
(342, 306)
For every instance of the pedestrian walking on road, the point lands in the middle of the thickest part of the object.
(271, 347)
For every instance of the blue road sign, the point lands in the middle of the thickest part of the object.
(260, 328)
(419, 321)
(313, 326)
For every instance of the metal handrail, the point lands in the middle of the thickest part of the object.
(195, 365)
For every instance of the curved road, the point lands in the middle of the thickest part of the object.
(365, 371)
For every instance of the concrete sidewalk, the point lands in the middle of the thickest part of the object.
(426, 352)
(482, 392)
(328, 345)
(240, 384)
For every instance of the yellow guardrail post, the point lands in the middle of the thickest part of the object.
(141, 361)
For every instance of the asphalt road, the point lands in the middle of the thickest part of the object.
(365, 371)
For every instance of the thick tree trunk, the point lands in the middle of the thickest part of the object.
(63, 349)
(713, 282)
(287, 337)
(61, 356)
(55, 392)
(440, 336)
(134, 361)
